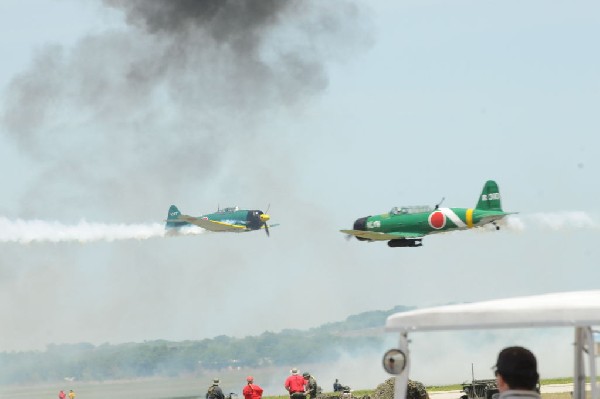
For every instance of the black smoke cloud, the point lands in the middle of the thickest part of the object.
(161, 105)
(222, 19)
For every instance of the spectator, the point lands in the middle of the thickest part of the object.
(296, 385)
(311, 385)
(214, 391)
(516, 374)
(337, 386)
(251, 390)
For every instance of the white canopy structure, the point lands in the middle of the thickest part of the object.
(579, 309)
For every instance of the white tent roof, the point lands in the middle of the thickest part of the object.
(578, 308)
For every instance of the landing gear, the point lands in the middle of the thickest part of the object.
(404, 243)
(497, 227)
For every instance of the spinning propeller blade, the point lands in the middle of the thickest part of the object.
(264, 218)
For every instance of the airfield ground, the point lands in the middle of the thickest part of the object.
(178, 389)
(550, 391)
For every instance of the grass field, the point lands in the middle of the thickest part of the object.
(550, 381)
(359, 394)
(458, 387)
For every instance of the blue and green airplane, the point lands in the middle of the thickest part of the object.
(224, 220)
(406, 226)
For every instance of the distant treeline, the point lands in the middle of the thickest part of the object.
(87, 362)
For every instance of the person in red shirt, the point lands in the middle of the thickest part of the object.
(296, 385)
(62, 394)
(252, 391)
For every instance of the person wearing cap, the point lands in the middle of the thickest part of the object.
(215, 391)
(311, 385)
(251, 390)
(295, 384)
(516, 374)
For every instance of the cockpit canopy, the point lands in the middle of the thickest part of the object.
(406, 210)
(230, 209)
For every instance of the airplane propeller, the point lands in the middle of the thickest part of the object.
(264, 217)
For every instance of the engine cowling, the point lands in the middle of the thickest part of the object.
(361, 224)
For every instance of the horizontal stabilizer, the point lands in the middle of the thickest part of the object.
(492, 218)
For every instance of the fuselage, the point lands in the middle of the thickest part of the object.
(230, 219)
(250, 218)
(431, 222)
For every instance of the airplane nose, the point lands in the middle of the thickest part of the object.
(361, 224)
(264, 217)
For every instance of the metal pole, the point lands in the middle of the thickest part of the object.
(402, 378)
(592, 360)
(579, 370)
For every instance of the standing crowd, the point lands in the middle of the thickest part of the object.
(298, 386)
(250, 391)
(516, 378)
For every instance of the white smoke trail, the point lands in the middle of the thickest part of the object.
(563, 220)
(27, 231)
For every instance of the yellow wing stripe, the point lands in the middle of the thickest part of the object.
(235, 226)
(469, 217)
(212, 225)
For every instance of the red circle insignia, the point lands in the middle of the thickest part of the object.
(437, 220)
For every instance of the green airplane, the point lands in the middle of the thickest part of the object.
(406, 226)
(230, 219)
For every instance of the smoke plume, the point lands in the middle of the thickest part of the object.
(180, 101)
(24, 232)
(185, 88)
(564, 220)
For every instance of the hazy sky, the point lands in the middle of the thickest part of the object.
(328, 111)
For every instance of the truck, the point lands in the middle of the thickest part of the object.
(483, 389)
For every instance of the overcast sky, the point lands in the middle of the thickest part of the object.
(326, 111)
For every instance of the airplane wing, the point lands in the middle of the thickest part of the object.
(375, 236)
(213, 225)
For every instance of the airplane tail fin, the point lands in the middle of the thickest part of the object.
(489, 200)
(173, 217)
